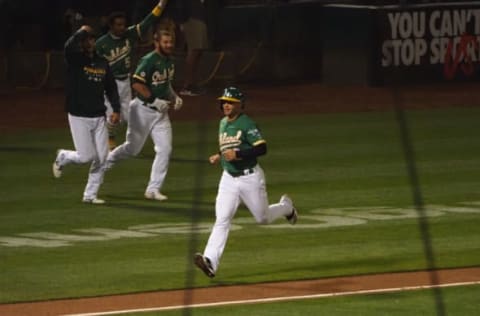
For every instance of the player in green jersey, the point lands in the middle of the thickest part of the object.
(242, 181)
(117, 47)
(148, 114)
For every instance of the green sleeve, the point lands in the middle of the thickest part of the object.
(142, 72)
(254, 137)
(138, 31)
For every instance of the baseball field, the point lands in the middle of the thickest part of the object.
(340, 153)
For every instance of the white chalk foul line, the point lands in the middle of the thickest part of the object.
(276, 299)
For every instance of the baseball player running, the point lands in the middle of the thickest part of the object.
(88, 78)
(242, 179)
(148, 114)
(117, 47)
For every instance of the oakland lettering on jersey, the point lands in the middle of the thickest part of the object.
(226, 141)
(161, 77)
(117, 53)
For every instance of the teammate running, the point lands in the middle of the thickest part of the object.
(148, 114)
(242, 180)
(117, 47)
(89, 78)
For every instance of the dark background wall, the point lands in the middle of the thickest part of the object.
(261, 40)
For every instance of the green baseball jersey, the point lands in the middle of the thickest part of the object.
(242, 133)
(119, 50)
(156, 72)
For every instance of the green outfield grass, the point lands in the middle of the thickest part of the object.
(341, 165)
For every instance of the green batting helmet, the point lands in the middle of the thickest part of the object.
(232, 94)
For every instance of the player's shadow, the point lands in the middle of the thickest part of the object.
(151, 156)
(184, 207)
(28, 150)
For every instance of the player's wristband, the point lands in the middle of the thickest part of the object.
(252, 152)
(157, 11)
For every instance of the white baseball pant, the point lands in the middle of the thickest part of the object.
(249, 189)
(143, 121)
(90, 138)
(125, 94)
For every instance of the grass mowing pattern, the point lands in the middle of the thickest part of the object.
(322, 161)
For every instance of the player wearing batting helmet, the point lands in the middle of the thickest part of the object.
(243, 180)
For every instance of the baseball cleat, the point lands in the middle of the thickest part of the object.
(93, 201)
(56, 168)
(155, 195)
(293, 217)
(204, 264)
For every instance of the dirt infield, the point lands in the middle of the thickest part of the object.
(242, 294)
(45, 109)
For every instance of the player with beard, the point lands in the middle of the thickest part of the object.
(148, 115)
(117, 46)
